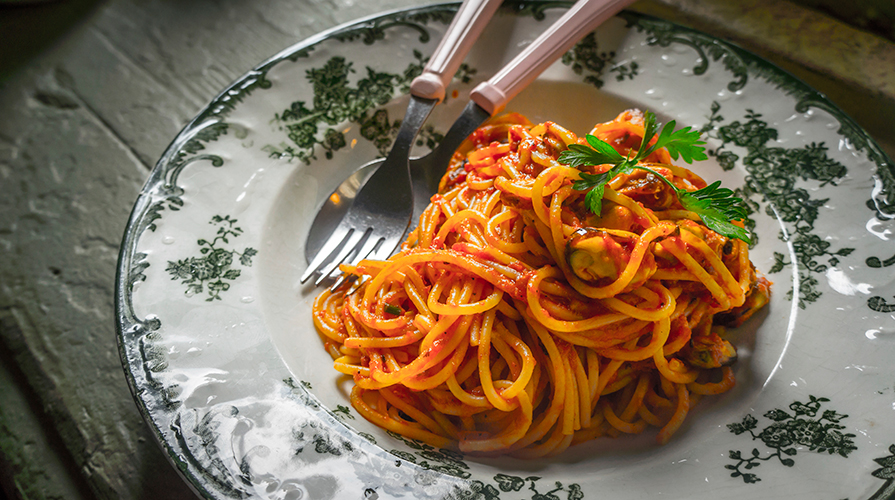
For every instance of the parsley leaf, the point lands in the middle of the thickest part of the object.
(715, 206)
(393, 310)
(595, 183)
(684, 143)
(580, 155)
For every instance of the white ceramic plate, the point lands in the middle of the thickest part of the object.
(215, 331)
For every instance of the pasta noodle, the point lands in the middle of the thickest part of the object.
(514, 321)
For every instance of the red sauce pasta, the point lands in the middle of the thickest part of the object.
(515, 321)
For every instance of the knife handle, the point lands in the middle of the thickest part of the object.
(577, 22)
(465, 29)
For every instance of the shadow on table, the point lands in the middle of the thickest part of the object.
(29, 27)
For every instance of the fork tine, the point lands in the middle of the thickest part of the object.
(340, 280)
(384, 250)
(332, 245)
(370, 246)
(352, 245)
(380, 248)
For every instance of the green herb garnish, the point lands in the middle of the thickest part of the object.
(393, 310)
(716, 206)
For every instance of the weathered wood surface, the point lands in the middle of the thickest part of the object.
(92, 92)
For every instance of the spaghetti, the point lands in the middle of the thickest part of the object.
(514, 321)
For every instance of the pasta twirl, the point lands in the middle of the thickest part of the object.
(514, 321)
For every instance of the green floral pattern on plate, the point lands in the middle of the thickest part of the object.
(215, 267)
(337, 101)
(789, 431)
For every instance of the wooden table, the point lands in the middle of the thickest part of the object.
(91, 92)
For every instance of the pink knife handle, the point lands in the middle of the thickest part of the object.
(464, 30)
(580, 20)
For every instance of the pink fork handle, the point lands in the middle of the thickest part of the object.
(464, 30)
(580, 20)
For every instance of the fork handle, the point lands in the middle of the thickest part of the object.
(577, 22)
(465, 28)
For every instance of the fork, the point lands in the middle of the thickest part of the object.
(381, 213)
(486, 100)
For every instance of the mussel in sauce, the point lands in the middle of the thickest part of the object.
(710, 351)
(599, 257)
